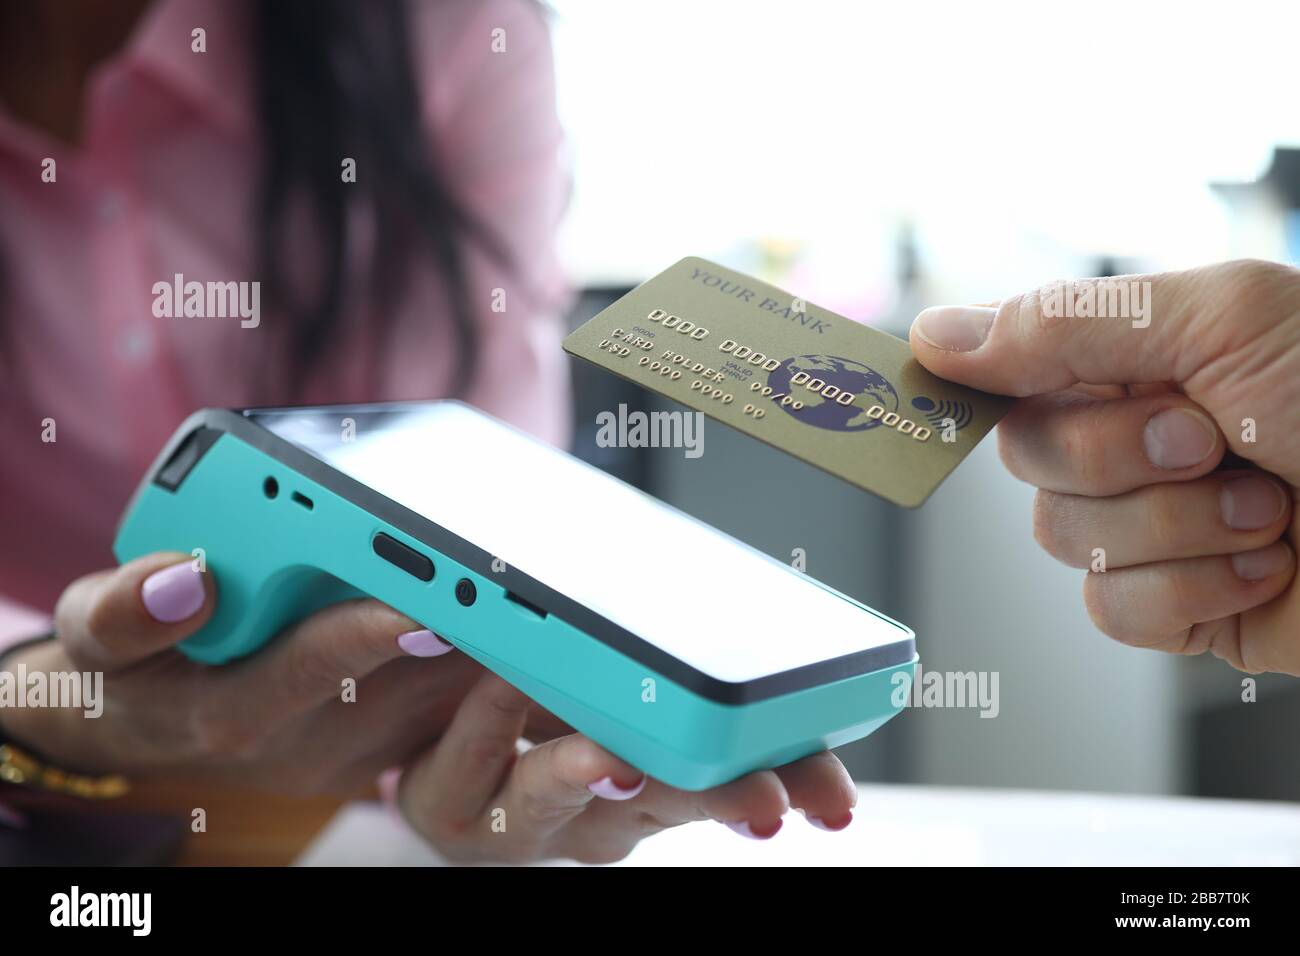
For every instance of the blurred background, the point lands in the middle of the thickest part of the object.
(875, 159)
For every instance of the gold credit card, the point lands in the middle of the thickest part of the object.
(842, 396)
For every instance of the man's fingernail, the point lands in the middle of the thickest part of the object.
(831, 825)
(1251, 503)
(955, 328)
(1179, 438)
(1262, 562)
(744, 829)
(422, 643)
(606, 787)
(174, 593)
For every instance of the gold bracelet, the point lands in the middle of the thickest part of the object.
(24, 770)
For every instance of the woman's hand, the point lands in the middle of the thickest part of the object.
(476, 797)
(1198, 549)
(277, 720)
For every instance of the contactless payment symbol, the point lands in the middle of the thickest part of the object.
(960, 414)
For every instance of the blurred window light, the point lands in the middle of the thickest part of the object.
(1079, 128)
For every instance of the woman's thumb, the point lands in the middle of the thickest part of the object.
(120, 616)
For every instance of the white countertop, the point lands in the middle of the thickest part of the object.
(918, 826)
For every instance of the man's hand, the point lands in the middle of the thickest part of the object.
(1173, 448)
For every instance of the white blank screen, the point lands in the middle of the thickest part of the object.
(708, 600)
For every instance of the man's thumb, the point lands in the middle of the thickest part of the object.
(1121, 330)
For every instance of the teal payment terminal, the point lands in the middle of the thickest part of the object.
(688, 654)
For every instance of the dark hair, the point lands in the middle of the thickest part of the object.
(335, 80)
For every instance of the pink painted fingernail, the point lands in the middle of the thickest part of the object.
(1179, 438)
(423, 643)
(1251, 503)
(1262, 562)
(174, 593)
(606, 787)
(832, 825)
(744, 829)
